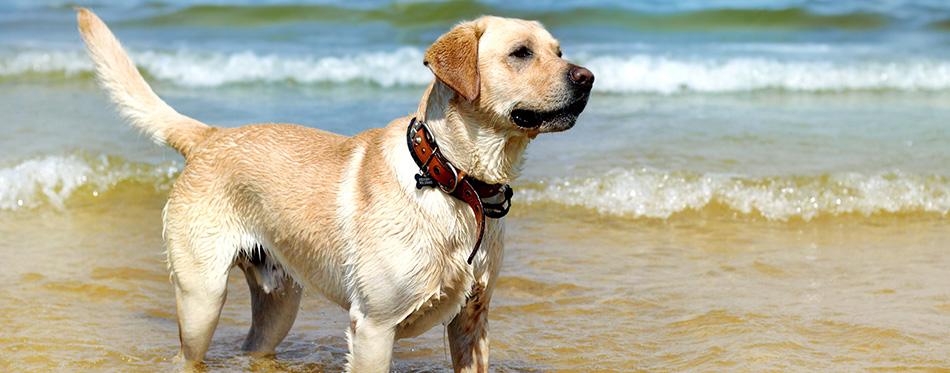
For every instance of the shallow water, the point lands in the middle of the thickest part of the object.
(88, 290)
(754, 186)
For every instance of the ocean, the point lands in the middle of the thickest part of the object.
(754, 186)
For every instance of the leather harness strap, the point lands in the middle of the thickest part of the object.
(435, 170)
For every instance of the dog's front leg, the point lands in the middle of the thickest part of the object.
(371, 344)
(468, 334)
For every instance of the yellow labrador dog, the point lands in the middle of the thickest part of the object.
(402, 225)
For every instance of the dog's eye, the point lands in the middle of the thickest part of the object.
(522, 52)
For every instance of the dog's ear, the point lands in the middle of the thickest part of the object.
(454, 60)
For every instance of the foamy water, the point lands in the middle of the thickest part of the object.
(658, 74)
(645, 193)
(639, 73)
(51, 181)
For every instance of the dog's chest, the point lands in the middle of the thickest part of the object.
(438, 307)
(459, 282)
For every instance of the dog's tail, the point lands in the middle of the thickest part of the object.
(129, 91)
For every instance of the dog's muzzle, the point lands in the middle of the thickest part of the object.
(580, 81)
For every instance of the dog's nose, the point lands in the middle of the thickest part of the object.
(581, 76)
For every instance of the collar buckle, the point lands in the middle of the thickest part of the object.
(455, 179)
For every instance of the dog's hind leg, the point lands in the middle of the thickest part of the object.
(201, 252)
(199, 301)
(275, 299)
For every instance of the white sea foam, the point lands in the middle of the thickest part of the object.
(53, 180)
(638, 73)
(646, 193)
(45, 62)
(656, 74)
(401, 67)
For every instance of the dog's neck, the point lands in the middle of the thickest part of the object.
(486, 151)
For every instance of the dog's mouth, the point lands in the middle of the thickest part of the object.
(550, 121)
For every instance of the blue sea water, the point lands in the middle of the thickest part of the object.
(789, 93)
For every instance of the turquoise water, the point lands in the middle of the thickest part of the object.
(754, 92)
(812, 135)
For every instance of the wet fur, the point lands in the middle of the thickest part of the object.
(296, 207)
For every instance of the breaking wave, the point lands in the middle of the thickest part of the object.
(663, 75)
(53, 180)
(645, 193)
(632, 74)
(56, 181)
(191, 69)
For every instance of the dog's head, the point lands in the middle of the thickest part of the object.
(511, 71)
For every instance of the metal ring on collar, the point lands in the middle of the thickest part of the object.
(455, 179)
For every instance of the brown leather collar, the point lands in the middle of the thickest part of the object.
(435, 170)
